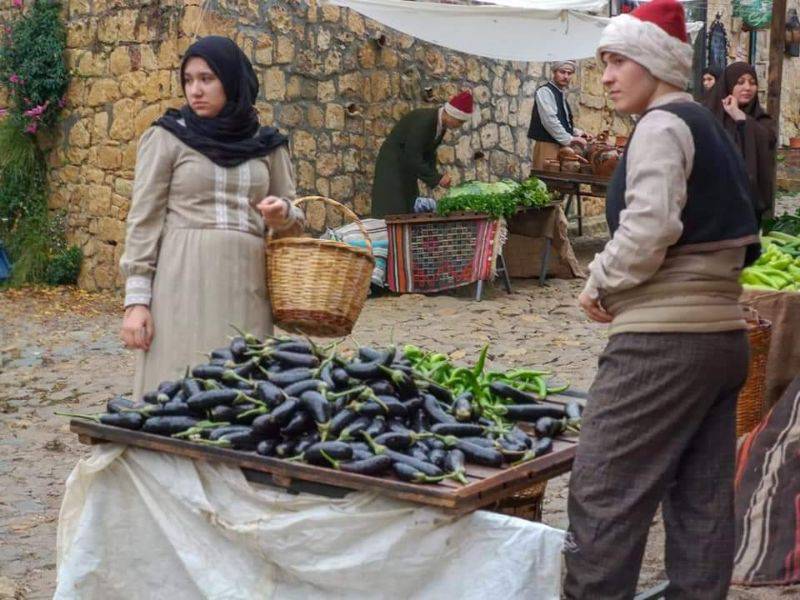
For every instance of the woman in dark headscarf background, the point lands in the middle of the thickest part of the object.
(708, 78)
(209, 179)
(734, 102)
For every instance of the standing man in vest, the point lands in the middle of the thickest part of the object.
(660, 419)
(409, 154)
(552, 125)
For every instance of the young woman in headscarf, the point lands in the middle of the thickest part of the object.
(734, 102)
(209, 179)
(709, 77)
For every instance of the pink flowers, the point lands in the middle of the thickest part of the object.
(62, 102)
(37, 111)
(16, 3)
(3, 112)
(15, 79)
(32, 127)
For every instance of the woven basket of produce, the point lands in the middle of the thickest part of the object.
(318, 287)
(750, 406)
(525, 504)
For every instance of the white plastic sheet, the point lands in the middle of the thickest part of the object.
(541, 31)
(139, 524)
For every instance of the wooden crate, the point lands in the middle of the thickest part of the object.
(486, 485)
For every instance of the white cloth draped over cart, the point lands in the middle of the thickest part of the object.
(521, 30)
(141, 524)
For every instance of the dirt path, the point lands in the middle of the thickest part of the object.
(59, 351)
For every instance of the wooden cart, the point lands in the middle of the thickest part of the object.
(486, 485)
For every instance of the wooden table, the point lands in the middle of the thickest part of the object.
(486, 485)
(572, 183)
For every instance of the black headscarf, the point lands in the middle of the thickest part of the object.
(234, 136)
(756, 137)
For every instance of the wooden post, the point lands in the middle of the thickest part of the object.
(775, 71)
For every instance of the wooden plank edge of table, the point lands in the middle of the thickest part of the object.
(464, 499)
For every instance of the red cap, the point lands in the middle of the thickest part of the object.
(667, 14)
(462, 102)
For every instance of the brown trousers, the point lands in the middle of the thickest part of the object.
(659, 427)
(543, 151)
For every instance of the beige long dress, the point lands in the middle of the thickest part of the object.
(194, 250)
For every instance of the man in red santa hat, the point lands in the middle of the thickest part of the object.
(409, 154)
(659, 426)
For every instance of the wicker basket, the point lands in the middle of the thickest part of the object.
(318, 287)
(526, 504)
(750, 406)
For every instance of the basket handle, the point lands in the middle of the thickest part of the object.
(347, 212)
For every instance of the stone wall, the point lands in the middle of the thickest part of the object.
(324, 79)
(739, 49)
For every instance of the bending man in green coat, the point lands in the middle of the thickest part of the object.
(409, 154)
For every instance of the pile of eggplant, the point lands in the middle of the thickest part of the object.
(371, 413)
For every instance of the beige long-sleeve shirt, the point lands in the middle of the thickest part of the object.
(176, 186)
(643, 285)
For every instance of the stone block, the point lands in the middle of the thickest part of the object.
(97, 200)
(506, 138)
(145, 117)
(490, 135)
(274, 84)
(332, 62)
(128, 156)
(446, 155)
(389, 58)
(315, 211)
(305, 175)
(119, 61)
(157, 86)
(294, 88)
(326, 91)
(108, 157)
(284, 50)
(355, 23)
(279, 18)
(304, 144)
(81, 34)
(351, 85)
(93, 175)
(434, 62)
(79, 134)
(100, 127)
(330, 14)
(380, 86)
(350, 160)
(131, 84)
(327, 164)
(111, 230)
(103, 91)
(342, 188)
(334, 116)
(463, 151)
(316, 118)
(92, 65)
(123, 187)
(123, 120)
(512, 84)
(290, 115)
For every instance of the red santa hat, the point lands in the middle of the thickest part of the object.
(460, 106)
(654, 35)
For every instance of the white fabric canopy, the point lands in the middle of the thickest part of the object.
(544, 31)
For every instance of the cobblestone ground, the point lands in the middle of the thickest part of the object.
(59, 351)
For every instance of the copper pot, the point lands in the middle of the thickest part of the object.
(605, 162)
